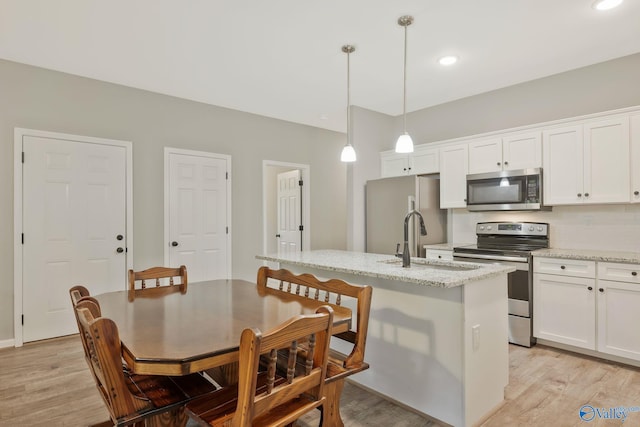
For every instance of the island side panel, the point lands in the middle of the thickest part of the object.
(486, 346)
(415, 344)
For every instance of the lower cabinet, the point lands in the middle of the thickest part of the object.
(597, 311)
(441, 254)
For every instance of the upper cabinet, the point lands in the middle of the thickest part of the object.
(454, 165)
(423, 160)
(509, 152)
(587, 163)
(635, 157)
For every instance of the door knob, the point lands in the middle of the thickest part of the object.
(120, 250)
(174, 244)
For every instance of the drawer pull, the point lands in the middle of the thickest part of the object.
(562, 267)
(590, 288)
(601, 290)
(634, 273)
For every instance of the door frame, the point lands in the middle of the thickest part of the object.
(305, 175)
(18, 135)
(168, 151)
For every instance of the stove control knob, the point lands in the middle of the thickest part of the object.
(539, 228)
(489, 227)
(482, 227)
(531, 228)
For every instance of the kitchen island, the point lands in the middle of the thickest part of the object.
(438, 330)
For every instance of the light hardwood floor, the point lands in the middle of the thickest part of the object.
(48, 384)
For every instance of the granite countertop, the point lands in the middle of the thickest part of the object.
(589, 255)
(437, 273)
(445, 246)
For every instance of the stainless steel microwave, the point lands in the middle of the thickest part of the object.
(516, 190)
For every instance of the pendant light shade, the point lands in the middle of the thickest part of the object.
(348, 152)
(405, 143)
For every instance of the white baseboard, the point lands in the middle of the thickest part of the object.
(7, 343)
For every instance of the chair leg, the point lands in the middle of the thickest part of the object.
(330, 411)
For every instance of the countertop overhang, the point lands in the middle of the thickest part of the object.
(442, 274)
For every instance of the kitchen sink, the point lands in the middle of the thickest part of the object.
(423, 263)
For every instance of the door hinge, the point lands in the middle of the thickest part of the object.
(300, 183)
(227, 230)
(301, 228)
(23, 319)
(23, 238)
(226, 175)
(23, 157)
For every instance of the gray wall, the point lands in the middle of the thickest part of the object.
(40, 99)
(600, 87)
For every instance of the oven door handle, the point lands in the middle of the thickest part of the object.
(490, 257)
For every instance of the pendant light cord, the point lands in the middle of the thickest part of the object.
(404, 95)
(348, 97)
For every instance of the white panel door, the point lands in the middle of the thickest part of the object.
(522, 151)
(485, 155)
(74, 224)
(454, 164)
(198, 216)
(289, 212)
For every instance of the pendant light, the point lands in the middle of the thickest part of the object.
(348, 153)
(405, 143)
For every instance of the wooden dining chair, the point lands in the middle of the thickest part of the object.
(131, 398)
(334, 291)
(157, 281)
(266, 398)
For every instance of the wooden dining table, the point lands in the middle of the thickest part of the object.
(182, 333)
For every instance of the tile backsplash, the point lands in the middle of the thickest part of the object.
(605, 227)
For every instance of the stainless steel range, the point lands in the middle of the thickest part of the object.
(511, 243)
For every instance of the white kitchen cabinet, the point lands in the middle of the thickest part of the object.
(508, 152)
(587, 163)
(618, 301)
(454, 165)
(635, 157)
(588, 304)
(394, 164)
(439, 254)
(423, 160)
(564, 309)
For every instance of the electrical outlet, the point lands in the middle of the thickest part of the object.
(475, 337)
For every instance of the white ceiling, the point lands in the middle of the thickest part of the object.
(283, 58)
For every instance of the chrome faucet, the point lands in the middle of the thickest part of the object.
(406, 256)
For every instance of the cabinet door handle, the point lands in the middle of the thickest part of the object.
(120, 250)
(636, 193)
(562, 267)
(498, 163)
(174, 244)
(579, 194)
(506, 163)
(586, 194)
(634, 273)
(590, 288)
(601, 290)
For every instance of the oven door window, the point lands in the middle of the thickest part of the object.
(497, 190)
(519, 285)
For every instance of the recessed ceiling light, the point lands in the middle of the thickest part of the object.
(606, 4)
(448, 60)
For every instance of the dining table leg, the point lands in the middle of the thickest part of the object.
(331, 409)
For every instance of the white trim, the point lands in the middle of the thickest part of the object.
(305, 175)
(7, 343)
(18, 135)
(227, 158)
